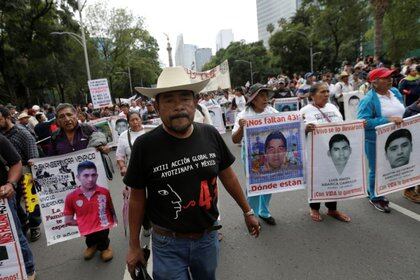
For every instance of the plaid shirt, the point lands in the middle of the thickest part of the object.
(24, 142)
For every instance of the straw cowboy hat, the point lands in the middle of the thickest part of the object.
(173, 79)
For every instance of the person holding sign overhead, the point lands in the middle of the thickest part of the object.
(382, 104)
(257, 104)
(319, 112)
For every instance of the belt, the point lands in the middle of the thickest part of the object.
(184, 235)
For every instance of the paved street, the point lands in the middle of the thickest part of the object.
(373, 246)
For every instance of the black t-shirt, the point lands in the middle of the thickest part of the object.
(180, 176)
(9, 157)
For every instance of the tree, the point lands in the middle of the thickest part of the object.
(379, 9)
(270, 28)
(123, 42)
(238, 52)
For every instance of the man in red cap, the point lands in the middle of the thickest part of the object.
(382, 104)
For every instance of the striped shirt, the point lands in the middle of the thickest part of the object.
(24, 142)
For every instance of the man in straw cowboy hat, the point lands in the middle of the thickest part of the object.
(178, 164)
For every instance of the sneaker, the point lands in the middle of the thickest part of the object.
(107, 255)
(381, 205)
(411, 195)
(270, 220)
(35, 234)
(90, 252)
(32, 276)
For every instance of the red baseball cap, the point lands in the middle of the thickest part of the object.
(379, 73)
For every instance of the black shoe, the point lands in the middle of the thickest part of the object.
(270, 220)
(381, 205)
(35, 234)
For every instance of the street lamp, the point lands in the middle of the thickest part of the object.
(311, 55)
(250, 67)
(129, 78)
(81, 39)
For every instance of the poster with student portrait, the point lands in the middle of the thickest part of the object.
(60, 181)
(230, 116)
(274, 153)
(104, 125)
(118, 126)
(336, 168)
(397, 156)
(12, 265)
(286, 104)
(215, 112)
(351, 104)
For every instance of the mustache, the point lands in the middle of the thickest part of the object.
(180, 115)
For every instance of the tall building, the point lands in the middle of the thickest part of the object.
(223, 39)
(184, 53)
(202, 56)
(270, 11)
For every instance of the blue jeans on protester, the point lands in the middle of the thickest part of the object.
(24, 245)
(370, 148)
(174, 258)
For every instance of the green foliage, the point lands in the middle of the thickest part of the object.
(37, 67)
(240, 71)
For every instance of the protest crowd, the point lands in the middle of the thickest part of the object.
(170, 153)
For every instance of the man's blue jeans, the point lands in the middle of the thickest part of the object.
(24, 245)
(175, 258)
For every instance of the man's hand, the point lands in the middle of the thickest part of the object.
(242, 123)
(134, 257)
(123, 170)
(309, 128)
(7, 191)
(396, 120)
(253, 225)
(105, 149)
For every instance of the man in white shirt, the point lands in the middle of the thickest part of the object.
(340, 88)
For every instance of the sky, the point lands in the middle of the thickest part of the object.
(198, 20)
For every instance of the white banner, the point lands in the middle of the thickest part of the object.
(351, 103)
(286, 104)
(275, 153)
(215, 112)
(100, 94)
(397, 156)
(56, 179)
(219, 77)
(12, 265)
(337, 162)
(118, 126)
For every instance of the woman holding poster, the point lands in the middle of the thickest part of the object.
(123, 153)
(382, 104)
(257, 104)
(320, 111)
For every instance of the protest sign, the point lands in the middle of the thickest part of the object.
(56, 178)
(104, 125)
(336, 168)
(351, 103)
(215, 112)
(29, 193)
(397, 156)
(274, 153)
(118, 126)
(12, 265)
(230, 116)
(286, 104)
(100, 94)
(219, 77)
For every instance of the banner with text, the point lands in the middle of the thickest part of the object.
(58, 180)
(12, 265)
(219, 77)
(397, 156)
(336, 168)
(286, 104)
(100, 94)
(351, 103)
(274, 153)
(104, 125)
